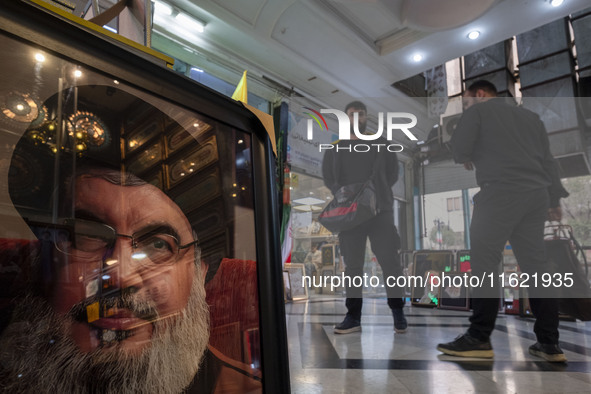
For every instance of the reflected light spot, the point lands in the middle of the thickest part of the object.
(139, 255)
(40, 57)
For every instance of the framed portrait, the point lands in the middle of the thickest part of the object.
(286, 286)
(454, 297)
(296, 278)
(429, 263)
(214, 322)
(328, 272)
(330, 254)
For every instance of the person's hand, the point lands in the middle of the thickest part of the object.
(468, 165)
(555, 214)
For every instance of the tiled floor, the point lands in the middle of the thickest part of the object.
(377, 360)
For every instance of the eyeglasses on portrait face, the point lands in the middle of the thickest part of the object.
(154, 246)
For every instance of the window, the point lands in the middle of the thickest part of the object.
(454, 204)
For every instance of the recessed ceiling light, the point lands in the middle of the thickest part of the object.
(474, 34)
(417, 57)
(556, 3)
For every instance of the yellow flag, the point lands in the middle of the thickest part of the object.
(241, 93)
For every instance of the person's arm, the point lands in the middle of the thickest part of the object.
(464, 138)
(555, 190)
(328, 172)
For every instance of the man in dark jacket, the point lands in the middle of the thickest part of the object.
(519, 189)
(345, 166)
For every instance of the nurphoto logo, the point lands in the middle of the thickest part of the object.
(392, 120)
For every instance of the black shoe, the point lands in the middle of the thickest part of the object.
(548, 351)
(400, 323)
(347, 326)
(467, 346)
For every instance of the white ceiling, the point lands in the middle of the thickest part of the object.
(331, 51)
(333, 48)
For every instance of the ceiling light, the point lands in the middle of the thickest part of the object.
(77, 73)
(40, 57)
(417, 57)
(111, 29)
(474, 34)
(162, 8)
(308, 201)
(189, 23)
(556, 3)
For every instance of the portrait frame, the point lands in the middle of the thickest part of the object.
(286, 286)
(145, 75)
(328, 271)
(454, 297)
(297, 271)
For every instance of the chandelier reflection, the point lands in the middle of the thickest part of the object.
(84, 131)
(23, 108)
(87, 130)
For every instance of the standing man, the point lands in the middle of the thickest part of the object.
(344, 166)
(519, 189)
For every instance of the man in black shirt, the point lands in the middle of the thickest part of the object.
(346, 166)
(519, 189)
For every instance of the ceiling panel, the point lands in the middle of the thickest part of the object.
(247, 10)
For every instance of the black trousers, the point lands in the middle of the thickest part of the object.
(519, 218)
(385, 244)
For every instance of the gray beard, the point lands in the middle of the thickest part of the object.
(39, 356)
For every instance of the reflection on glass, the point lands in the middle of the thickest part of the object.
(115, 276)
